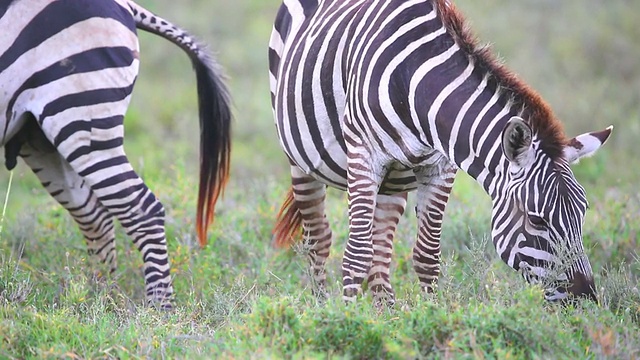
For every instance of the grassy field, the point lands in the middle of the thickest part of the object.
(240, 298)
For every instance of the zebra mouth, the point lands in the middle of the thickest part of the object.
(559, 287)
(567, 291)
(583, 286)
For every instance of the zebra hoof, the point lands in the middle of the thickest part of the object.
(161, 298)
(321, 296)
(162, 305)
(384, 301)
(350, 294)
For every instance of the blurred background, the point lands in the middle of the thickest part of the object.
(583, 56)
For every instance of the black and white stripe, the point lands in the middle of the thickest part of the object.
(67, 70)
(379, 98)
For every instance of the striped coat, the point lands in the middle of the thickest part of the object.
(380, 98)
(67, 71)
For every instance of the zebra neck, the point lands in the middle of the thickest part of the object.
(478, 148)
(478, 152)
(467, 123)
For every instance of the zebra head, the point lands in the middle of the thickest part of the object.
(538, 216)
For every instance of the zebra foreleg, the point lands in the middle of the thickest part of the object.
(389, 209)
(432, 197)
(364, 177)
(70, 191)
(309, 195)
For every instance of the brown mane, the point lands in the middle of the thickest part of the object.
(536, 111)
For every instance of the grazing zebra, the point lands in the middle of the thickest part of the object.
(383, 97)
(67, 70)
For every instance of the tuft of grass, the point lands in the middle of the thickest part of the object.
(240, 298)
(6, 201)
(509, 320)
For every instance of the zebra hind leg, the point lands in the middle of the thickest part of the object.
(433, 194)
(389, 209)
(141, 214)
(70, 191)
(309, 196)
(94, 151)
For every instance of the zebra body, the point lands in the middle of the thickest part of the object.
(380, 98)
(67, 71)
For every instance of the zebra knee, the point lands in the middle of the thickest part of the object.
(145, 223)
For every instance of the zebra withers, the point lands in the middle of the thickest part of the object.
(67, 71)
(383, 97)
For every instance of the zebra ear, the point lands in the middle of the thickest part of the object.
(585, 145)
(516, 142)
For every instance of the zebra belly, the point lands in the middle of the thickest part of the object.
(315, 148)
(323, 156)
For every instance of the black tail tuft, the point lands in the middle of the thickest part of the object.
(214, 105)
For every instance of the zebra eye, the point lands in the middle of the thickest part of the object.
(537, 221)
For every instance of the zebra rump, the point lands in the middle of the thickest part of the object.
(67, 71)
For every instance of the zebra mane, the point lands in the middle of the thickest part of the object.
(535, 111)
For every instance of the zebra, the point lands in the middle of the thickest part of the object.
(380, 98)
(67, 71)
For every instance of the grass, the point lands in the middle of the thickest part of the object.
(240, 298)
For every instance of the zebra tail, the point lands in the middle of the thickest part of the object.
(214, 104)
(215, 142)
(288, 228)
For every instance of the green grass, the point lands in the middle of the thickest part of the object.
(240, 298)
